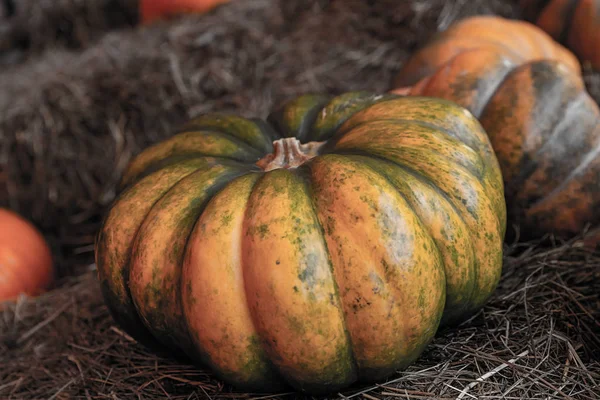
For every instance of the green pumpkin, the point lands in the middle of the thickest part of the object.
(315, 249)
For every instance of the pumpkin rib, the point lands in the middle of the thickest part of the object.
(292, 304)
(296, 117)
(469, 214)
(412, 137)
(492, 83)
(184, 143)
(405, 167)
(461, 126)
(411, 164)
(529, 164)
(304, 172)
(373, 261)
(405, 121)
(425, 124)
(214, 297)
(575, 173)
(408, 167)
(468, 34)
(456, 206)
(243, 145)
(525, 142)
(451, 312)
(341, 108)
(577, 200)
(158, 251)
(458, 124)
(267, 130)
(182, 158)
(247, 131)
(520, 32)
(114, 274)
(418, 66)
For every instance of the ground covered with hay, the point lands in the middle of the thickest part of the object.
(83, 89)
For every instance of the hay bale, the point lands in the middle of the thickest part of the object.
(29, 27)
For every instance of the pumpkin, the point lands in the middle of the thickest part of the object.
(152, 10)
(317, 248)
(543, 126)
(25, 258)
(575, 23)
(518, 41)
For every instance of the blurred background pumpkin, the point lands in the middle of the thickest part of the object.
(528, 93)
(151, 10)
(25, 258)
(574, 23)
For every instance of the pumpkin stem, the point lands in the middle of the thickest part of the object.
(289, 153)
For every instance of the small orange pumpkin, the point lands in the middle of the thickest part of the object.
(574, 23)
(151, 10)
(25, 258)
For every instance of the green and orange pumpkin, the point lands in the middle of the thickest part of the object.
(574, 23)
(315, 249)
(543, 125)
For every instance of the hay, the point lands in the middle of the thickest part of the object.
(30, 27)
(72, 115)
(538, 338)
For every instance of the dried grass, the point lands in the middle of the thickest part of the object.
(538, 338)
(30, 27)
(72, 115)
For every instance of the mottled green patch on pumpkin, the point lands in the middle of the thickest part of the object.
(296, 117)
(226, 219)
(237, 127)
(339, 109)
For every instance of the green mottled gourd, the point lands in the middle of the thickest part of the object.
(528, 94)
(316, 249)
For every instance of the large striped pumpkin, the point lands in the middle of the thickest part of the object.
(543, 125)
(316, 249)
(574, 23)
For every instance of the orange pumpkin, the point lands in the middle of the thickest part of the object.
(317, 248)
(543, 125)
(575, 23)
(151, 10)
(25, 258)
(517, 41)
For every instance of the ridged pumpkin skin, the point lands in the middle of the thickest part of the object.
(574, 23)
(544, 128)
(334, 271)
(518, 41)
